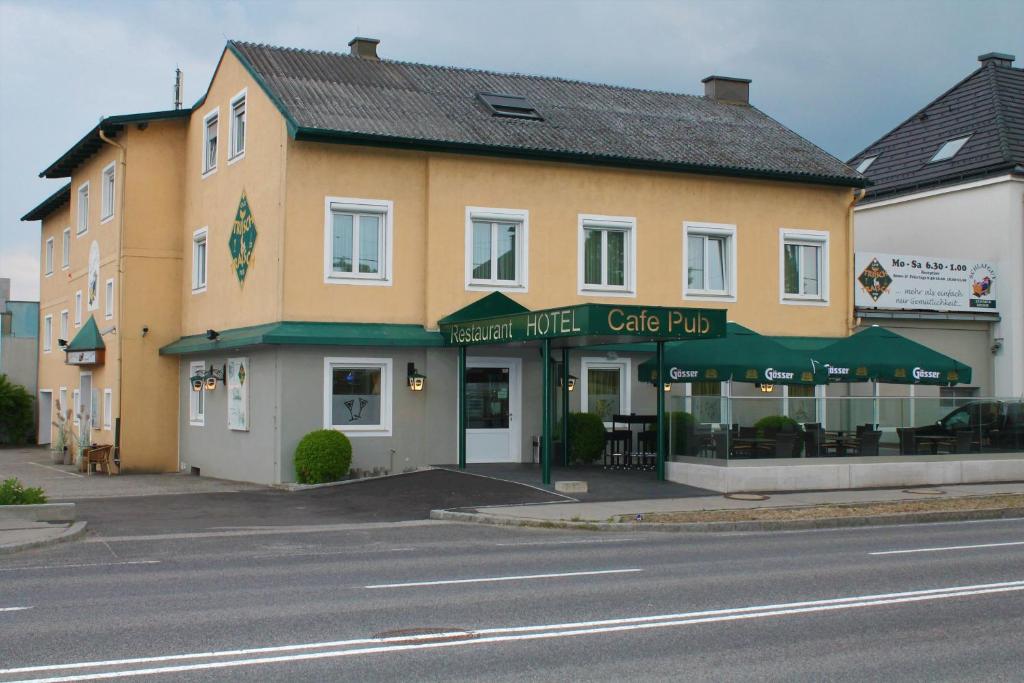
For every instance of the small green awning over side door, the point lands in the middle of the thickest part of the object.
(881, 355)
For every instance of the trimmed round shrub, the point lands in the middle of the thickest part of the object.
(17, 425)
(321, 456)
(773, 424)
(586, 437)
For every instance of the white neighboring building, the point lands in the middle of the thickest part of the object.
(948, 187)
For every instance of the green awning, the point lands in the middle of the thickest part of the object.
(88, 338)
(880, 355)
(307, 334)
(493, 305)
(742, 356)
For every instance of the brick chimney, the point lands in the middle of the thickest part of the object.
(727, 89)
(364, 48)
(996, 59)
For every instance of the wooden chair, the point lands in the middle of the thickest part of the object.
(867, 443)
(99, 455)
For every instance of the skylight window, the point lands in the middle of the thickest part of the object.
(950, 148)
(865, 164)
(512, 106)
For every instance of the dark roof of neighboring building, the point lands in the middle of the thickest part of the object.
(332, 97)
(110, 125)
(49, 205)
(988, 105)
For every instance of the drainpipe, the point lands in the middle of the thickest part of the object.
(852, 322)
(122, 154)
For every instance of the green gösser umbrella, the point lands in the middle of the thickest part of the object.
(880, 355)
(742, 356)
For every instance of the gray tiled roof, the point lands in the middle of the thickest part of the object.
(988, 105)
(338, 96)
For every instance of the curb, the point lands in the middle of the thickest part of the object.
(706, 527)
(40, 512)
(292, 487)
(75, 531)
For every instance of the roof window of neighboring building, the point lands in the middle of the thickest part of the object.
(950, 148)
(512, 106)
(865, 164)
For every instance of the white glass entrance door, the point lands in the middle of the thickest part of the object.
(492, 410)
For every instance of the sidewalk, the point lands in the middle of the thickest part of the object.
(629, 509)
(21, 534)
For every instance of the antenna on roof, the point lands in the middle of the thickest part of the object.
(179, 85)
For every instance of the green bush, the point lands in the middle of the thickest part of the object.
(16, 423)
(12, 492)
(321, 456)
(586, 437)
(774, 423)
(681, 426)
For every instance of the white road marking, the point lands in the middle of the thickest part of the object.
(76, 566)
(494, 579)
(266, 531)
(589, 540)
(70, 474)
(948, 547)
(13, 609)
(509, 634)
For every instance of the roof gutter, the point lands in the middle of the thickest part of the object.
(309, 134)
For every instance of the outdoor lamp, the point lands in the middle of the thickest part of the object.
(668, 386)
(197, 383)
(211, 382)
(415, 377)
(572, 381)
(767, 388)
(209, 379)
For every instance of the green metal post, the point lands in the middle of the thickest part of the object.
(565, 406)
(545, 458)
(462, 407)
(660, 388)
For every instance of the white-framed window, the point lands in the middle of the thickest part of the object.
(803, 266)
(83, 208)
(64, 325)
(76, 409)
(196, 399)
(199, 260)
(357, 241)
(357, 395)
(47, 333)
(236, 128)
(497, 249)
(107, 192)
(605, 386)
(709, 255)
(65, 256)
(48, 257)
(108, 409)
(94, 408)
(108, 299)
(211, 128)
(606, 261)
(78, 308)
(63, 394)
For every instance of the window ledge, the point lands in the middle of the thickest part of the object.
(199, 290)
(598, 291)
(353, 280)
(790, 301)
(79, 233)
(208, 172)
(237, 157)
(355, 431)
(48, 274)
(477, 286)
(697, 295)
(104, 221)
(196, 423)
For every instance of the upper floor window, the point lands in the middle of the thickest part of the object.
(78, 308)
(199, 260)
(48, 257)
(47, 333)
(64, 324)
(804, 266)
(496, 248)
(210, 131)
(107, 193)
(65, 255)
(709, 252)
(108, 299)
(949, 148)
(83, 207)
(236, 147)
(865, 164)
(357, 241)
(607, 255)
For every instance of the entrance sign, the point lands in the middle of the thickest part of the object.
(649, 323)
(928, 283)
(90, 357)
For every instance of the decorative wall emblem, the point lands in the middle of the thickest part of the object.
(238, 394)
(92, 290)
(243, 239)
(875, 280)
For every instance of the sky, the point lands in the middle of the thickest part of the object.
(841, 73)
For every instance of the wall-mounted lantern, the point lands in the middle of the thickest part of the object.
(415, 377)
(668, 387)
(766, 388)
(208, 379)
(572, 381)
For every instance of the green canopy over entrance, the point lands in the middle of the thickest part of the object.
(881, 355)
(742, 356)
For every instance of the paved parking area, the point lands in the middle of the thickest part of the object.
(34, 467)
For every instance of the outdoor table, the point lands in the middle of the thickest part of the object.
(936, 440)
(757, 443)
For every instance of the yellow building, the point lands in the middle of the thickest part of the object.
(294, 239)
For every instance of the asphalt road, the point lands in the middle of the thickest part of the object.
(334, 602)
